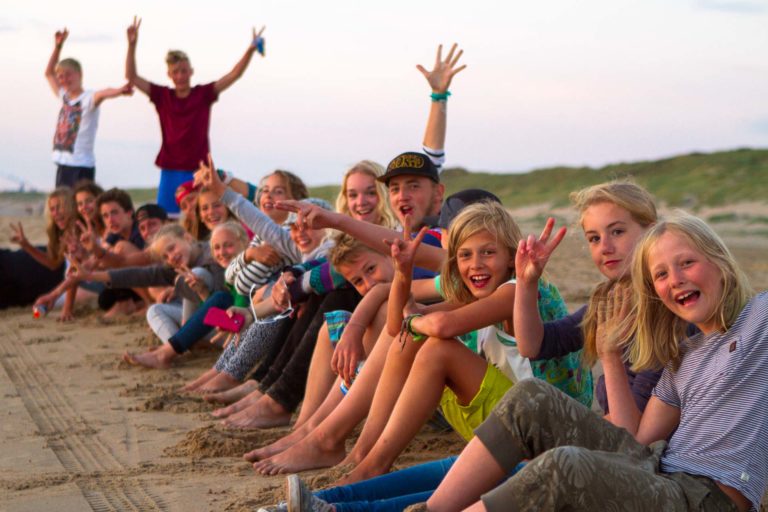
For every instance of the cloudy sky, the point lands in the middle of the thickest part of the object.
(549, 82)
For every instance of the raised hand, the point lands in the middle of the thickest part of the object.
(403, 250)
(18, 236)
(206, 176)
(532, 254)
(126, 90)
(194, 282)
(309, 216)
(612, 319)
(60, 37)
(264, 254)
(440, 76)
(133, 31)
(258, 42)
(88, 238)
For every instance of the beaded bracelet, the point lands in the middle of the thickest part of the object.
(440, 96)
(406, 328)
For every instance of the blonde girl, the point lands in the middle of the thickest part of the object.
(364, 198)
(445, 343)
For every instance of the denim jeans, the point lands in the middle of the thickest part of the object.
(195, 329)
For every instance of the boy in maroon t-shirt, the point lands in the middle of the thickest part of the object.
(184, 113)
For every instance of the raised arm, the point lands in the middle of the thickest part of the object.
(403, 251)
(42, 257)
(130, 59)
(531, 258)
(112, 92)
(50, 69)
(372, 235)
(439, 79)
(257, 44)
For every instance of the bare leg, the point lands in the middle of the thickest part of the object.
(320, 377)
(474, 473)
(202, 379)
(440, 363)
(159, 358)
(325, 445)
(233, 395)
(248, 400)
(264, 413)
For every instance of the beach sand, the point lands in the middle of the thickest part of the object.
(81, 430)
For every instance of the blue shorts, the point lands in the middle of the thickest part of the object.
(170, 180)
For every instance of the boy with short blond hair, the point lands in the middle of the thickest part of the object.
(184, 112)
(75, 134)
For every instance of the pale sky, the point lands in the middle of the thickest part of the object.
(550, 82)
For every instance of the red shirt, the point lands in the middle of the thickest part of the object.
(184, 123)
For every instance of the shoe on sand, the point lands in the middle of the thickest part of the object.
(301, 499)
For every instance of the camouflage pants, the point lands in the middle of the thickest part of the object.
(578, 461)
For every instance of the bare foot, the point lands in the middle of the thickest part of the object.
(121, 308)
(264, 413)
(309, 453)
(280, 445)
(222, 382)
(248, 400)
(205, 377)
(233, 395)
(159, 359)
(362, 471)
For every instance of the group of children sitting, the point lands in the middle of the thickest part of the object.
(400, 304)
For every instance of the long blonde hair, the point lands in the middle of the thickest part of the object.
(484, 216)
(374, 170)
(55, 234)
(641, 207)
(658, 331)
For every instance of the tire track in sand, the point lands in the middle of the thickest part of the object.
(74, 442)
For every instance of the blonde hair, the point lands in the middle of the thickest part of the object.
(640, 205)
(658, 331)
(172, 230)
(346, 249)
(55, 234)
(70, 63)
(473, 219)
(374, 170)
(175, 56)
(235, 228)
(195, 226)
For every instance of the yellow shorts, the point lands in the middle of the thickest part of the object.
(466, 418)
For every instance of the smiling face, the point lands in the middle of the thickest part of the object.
(58, 212)
(362, 198)
(688, 284)
(116, 219)
(366, 270)
(86, 204)
(414, 195)
(483, 264)
(148, 227)
(306, 240)
(173, 250)
(70, 80)
(612, 234)
(273, 188)
(225, 246)
(212, 210)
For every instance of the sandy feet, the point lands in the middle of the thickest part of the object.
(248, 400)
(221, 382)
(264, 413)
(202, 379)
(278, 446)
(123, 308)
(233, 395)
(309, 453)
(159, 358)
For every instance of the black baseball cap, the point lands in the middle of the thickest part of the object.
(454, 203)
(151, 211)
(412, 164)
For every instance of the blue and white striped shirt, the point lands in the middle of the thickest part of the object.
(721, 390)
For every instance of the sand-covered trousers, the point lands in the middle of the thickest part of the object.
(579, 461)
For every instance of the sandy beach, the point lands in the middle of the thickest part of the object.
(82, 430)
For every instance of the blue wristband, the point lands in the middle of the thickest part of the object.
(440, 96)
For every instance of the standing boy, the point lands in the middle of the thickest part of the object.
(73, 140)
(184, 113)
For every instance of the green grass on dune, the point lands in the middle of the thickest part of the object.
(690, 181)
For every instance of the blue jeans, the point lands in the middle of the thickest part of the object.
(392, 492)
(195, 329)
